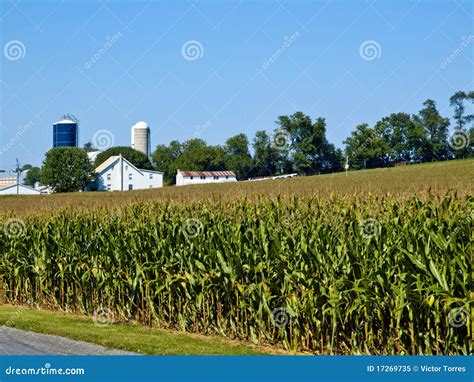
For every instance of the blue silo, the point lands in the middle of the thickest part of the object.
(65, 133)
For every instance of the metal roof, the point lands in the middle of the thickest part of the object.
(115, 158)
(207, 173)
(64, 121)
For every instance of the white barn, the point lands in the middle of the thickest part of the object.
(12, 189)
(184, 178)
(118, 174)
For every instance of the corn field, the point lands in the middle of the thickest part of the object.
(339, 275)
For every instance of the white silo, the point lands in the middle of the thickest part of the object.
(141, 138)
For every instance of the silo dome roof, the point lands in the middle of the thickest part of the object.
(64, 121)
(140, 125)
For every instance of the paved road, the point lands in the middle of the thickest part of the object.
(20, 342)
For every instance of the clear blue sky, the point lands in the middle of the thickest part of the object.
(232, 87)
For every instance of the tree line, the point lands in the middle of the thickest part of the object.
(297, 144)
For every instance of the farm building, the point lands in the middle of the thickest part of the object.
(8, 178)
(184, 178)
(118, 174)
(92, 155)
(12, 189)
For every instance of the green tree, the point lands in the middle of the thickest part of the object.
(457, 102)
(26, 167)
(196, 155)
(88, 147)
(32, 176)
(238, 158)
(66, 169)
(308, 147)
(435, 145)
(265, 157)
(366, 148)
(137, 158)
(164, 159)
(401, 134)
(460, 142)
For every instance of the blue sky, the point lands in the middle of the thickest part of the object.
(113, 63)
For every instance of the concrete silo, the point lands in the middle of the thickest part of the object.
(141, 138)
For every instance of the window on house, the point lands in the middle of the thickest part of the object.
(126, 168)
(109, 176)
(192, 177)
(216, 178)
(130, 187)
(226, 177)
(203, 177)
(109, 187)
(130, 176)
(151, 176)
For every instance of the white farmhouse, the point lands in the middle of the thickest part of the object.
(118, 174)
(184, 178)
(21, 189)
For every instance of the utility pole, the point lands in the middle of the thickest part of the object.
(18, 171)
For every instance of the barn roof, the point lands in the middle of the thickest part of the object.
(207, 173)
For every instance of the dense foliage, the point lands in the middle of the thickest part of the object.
(66, 169)
(137, 158)
(308, 273)
(299, 144)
